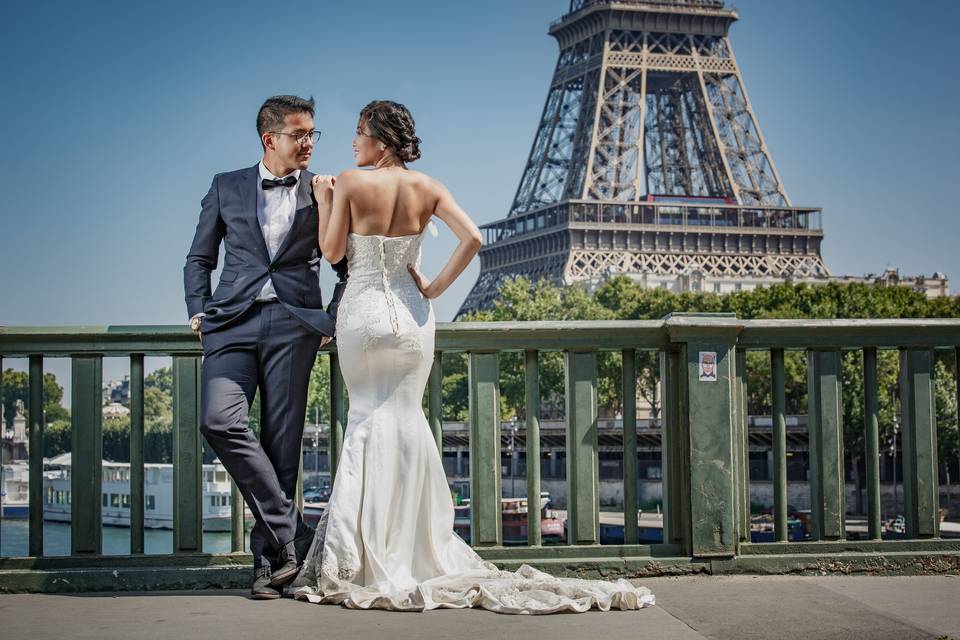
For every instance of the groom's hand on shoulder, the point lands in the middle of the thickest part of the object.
(323, 187)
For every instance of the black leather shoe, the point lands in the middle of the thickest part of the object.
(261, 589)
(288, 566)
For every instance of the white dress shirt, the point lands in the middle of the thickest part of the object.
(275, 211)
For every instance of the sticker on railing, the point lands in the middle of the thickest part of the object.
(708, 366)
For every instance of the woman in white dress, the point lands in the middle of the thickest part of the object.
(386, 539)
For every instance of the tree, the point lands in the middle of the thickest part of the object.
(157, 419)
(161, 379)
(520, 300)
(621, 298)
(16, 386)
(318, 393)
(948, 434)
(56, 438)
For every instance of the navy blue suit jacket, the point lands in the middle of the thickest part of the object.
(229, 214)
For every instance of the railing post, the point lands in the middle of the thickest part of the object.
(871, 424)
(86, 453)
(338, 414)
(187, 456)
(778, 388)
(741, 446)
(629, 395)
(435, 400)
(35, 470)
(675, 452)
(136, 453)
(919, 440)
(484, 400)
(707, 406)
(583, 484)
(236, 518)
(532, 411)
(298, 491)
(825, 425)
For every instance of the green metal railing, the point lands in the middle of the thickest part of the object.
(706, 508)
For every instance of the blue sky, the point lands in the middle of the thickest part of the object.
(116, 115)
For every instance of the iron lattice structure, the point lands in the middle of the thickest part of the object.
(648, 161)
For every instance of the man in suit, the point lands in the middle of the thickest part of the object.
(261, 328)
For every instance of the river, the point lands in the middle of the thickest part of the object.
(14, 535)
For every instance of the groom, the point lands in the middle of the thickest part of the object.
(261, 328)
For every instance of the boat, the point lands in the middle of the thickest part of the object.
(514, 516)
(14, 490)
(157, 492)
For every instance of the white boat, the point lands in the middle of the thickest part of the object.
(157, 491)
(15, 489)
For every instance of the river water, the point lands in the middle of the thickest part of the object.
(14, 536)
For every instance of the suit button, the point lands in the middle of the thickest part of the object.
(273, 269)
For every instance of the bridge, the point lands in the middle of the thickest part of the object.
(706, 515)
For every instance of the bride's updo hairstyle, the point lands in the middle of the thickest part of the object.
(391, 123)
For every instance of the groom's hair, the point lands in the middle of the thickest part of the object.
(276, 108)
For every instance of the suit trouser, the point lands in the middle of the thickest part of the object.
(267, 349)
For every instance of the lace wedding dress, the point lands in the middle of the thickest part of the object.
(386, 539)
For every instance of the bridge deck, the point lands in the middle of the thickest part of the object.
(691, 607)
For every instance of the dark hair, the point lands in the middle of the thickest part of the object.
(276, 108)
(391, 123)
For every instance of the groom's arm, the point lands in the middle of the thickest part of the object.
(341, 270)
(204, 252)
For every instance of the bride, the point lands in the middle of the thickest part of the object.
(386, 539)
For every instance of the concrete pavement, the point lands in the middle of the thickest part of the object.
(721, 607)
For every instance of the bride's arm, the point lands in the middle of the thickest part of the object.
(335, 226)
(470, 238)
(323, 193)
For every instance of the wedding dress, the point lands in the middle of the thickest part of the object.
(386, 539)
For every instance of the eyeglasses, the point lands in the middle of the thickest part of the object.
(302, 137)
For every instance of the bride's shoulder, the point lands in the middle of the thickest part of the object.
(352, 174)
(350, 177)
(422, 180)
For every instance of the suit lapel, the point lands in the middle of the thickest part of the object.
(303, 210)
(248, 196)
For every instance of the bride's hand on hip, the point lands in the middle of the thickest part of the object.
(323, 187)
(423, 283)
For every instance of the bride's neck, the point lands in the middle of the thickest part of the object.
(389, 161)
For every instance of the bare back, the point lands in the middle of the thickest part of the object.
(391, 202)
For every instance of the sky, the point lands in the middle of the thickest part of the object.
(117, 114)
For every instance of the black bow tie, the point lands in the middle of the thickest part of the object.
(289, 181)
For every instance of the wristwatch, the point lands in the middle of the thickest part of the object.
(195, 322)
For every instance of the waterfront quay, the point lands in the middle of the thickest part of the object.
(688, 608)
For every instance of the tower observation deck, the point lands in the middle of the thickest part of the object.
(648, 161)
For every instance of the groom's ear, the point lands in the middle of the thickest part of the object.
(266, 139)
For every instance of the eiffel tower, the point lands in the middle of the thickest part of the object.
(649, 162)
